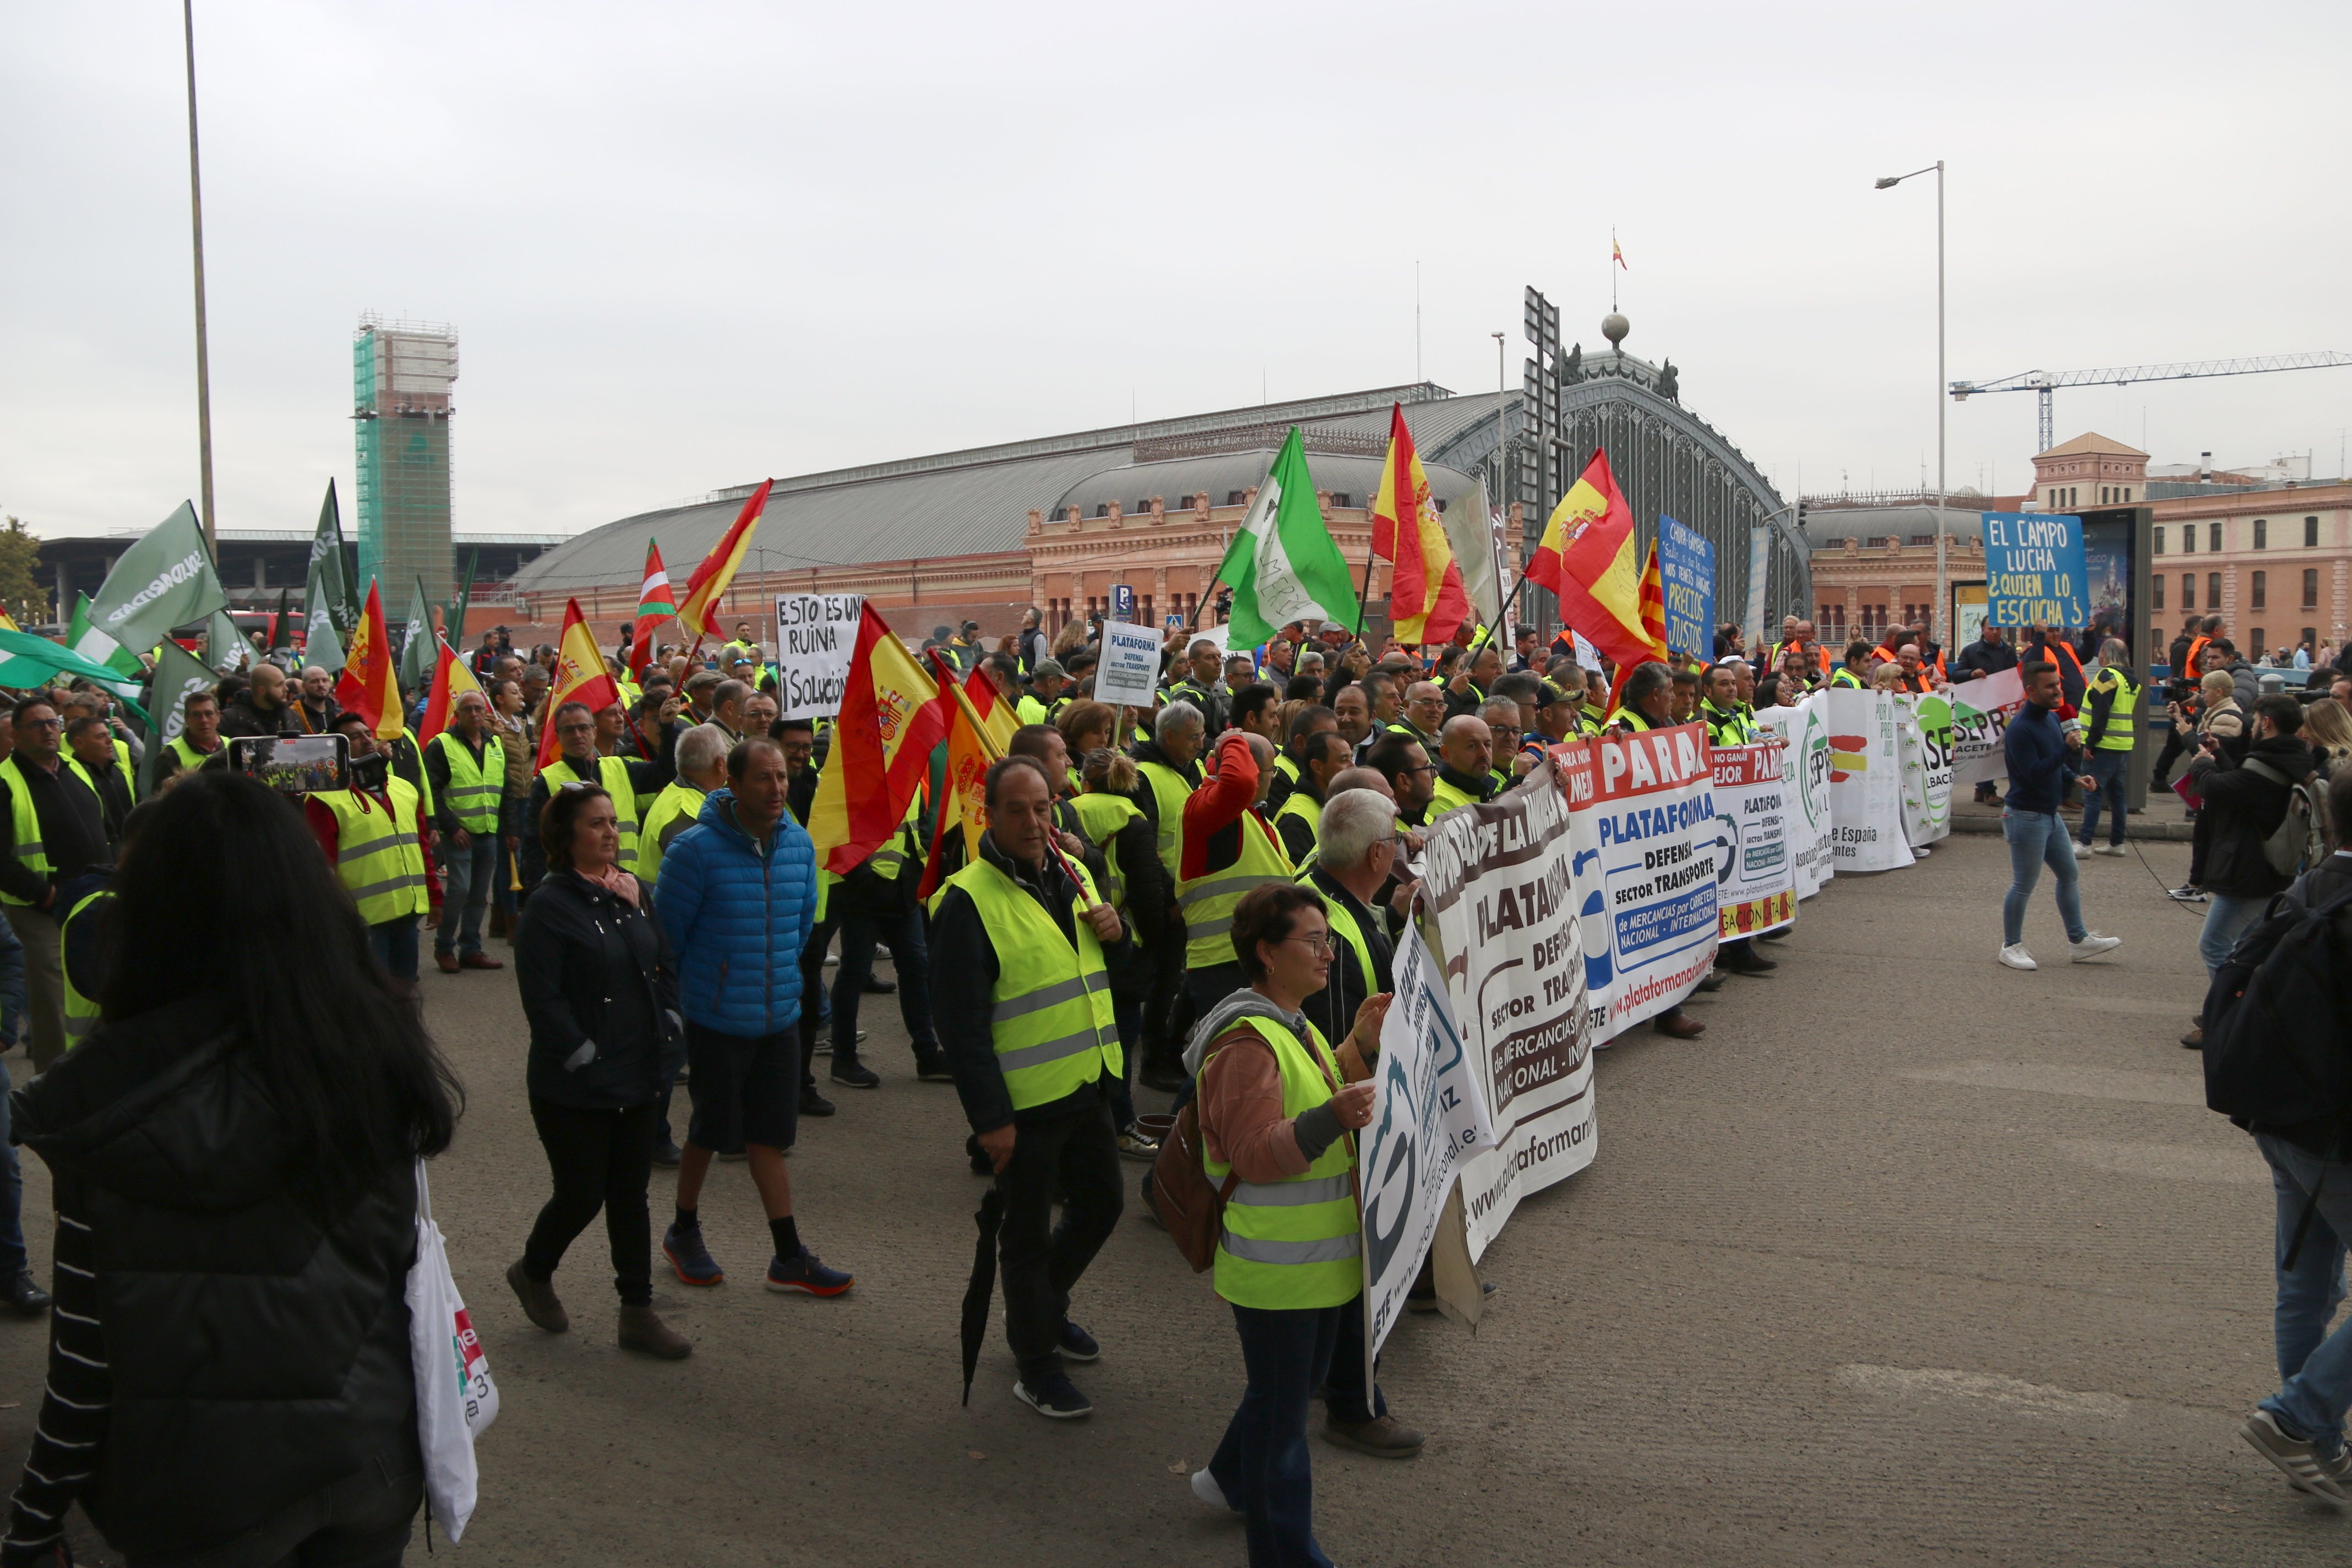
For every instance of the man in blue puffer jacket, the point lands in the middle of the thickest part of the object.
(736, 898)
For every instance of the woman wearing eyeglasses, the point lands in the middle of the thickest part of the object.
(1275, 1117)
(600, 995)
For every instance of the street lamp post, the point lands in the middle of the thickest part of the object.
(1936, 619)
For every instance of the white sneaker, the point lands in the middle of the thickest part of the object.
(2016, 957)
(2109, 849)
(1206, 1487)
(1919, 854)
(2092, 945)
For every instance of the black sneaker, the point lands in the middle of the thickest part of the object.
(877, 986)
(667, 1154)
(1056, 1396)
(1077, 1344)
(1745, 960)
(853, 1073)
(812, 1103)
(931, 1065)
(2186, 893)
(27, 1300)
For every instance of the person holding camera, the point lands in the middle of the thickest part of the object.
(373, 834)
(600, 991)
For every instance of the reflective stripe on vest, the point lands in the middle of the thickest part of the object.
(81, 1012)
(130, 774)
(1105, 817)
(674, 810)
(25, 822)
(1296, 1243)
(377, 858)
(612, 773)
(1209, 901)
(2119, 735)
(1170, 791)
(1349, 929)
(474, 788)
(1051, 1018)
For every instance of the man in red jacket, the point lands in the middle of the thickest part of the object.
(1228, 849)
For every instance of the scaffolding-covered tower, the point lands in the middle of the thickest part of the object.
(400, 376)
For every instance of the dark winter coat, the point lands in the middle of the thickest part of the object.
(2242, 810)
(600, 991)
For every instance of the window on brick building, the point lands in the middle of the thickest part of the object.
(1102, 508)
(1441, 506)
(2262, 533)
(2311, 533)
(2213, 537)
(2261, 589)
(1923, 539)
(2188, 590)
(2155, 535)
(2311, 588)
(2311, 636)
(1234, 498)
(2188, 539)
(2258, 643)
(2212, 590)
(1341, 498)
(1877, 541)
(2157, 583)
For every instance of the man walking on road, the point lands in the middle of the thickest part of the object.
(1022, 1000)
(737, 899)
(2036, 756)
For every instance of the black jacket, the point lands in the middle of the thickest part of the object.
(2245, 808)
(1981, 658)
(256, 1356)
(241, 717)
(600, 991)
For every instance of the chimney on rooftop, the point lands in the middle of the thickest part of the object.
(2204, 467)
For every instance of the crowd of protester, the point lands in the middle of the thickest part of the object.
(1201, 897)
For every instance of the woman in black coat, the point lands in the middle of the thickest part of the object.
(234, 1149)
(600, 995)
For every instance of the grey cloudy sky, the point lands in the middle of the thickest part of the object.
(686, 246)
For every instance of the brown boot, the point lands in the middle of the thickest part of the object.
(642, 1331)
(1384, 1436)
(538, 1299)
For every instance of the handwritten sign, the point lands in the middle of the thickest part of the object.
(2033, 570)
(816, 634)
(1687, 574)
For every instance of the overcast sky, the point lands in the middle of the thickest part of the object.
(687, 245)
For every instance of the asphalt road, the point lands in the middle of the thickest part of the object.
(1912, 1259)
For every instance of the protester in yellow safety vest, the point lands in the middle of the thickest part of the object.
(1854, 673)
(1137, 885)
(1274, 1125)
(1044, 701)
(1411, 776)
(701, 768)
(1727, 725)
(2111, 719)
(103, 765)
(1025, 949)
(1324, 754)
(1465, 753)
(576, 735)
(465, 767)
(1229, 848)
(374, 833)
(199, 740)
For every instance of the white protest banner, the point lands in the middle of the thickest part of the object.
(816, 634)
(1128, 672)
(1428, 1117)
(1755, 876)
(1981, 710)
(1502, 910)
(1805, 776)
(1645, 830)
(1925, 735)
(1866, 831)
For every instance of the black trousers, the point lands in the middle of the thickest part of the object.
(1166, 1012)
(1075, 1153)
(600, 1158)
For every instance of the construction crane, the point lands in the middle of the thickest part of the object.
(2047, 382)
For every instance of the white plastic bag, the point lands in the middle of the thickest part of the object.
(455, 1399)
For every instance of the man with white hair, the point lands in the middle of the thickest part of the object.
(1168, 769)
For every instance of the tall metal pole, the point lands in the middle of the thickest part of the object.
(1502, 429)
(203, 366)
(1938, 622)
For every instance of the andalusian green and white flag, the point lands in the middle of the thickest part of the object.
(163, 581)
(99, 648)
(326, 602)
(1283, 566)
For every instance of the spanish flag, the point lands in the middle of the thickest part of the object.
(700, 611)
(580, 676)
(1427, 602)
(981, 727)
(892, 714)
(370, 686)
(451, 681)
(1587, 559)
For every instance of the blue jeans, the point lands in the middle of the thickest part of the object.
(11, 1195)
(2035, 839)
(1263, 1465)
(2111, 769)
(472, 871)
(2226, 919)
(394, 942)
(2314, 1366)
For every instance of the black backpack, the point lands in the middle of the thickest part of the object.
(2278, 1034)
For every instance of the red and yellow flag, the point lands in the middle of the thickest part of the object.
(1426, 600)
(980, 729)
(892, 714)
(655, 606)
(700, 611)
(451, 679)
(580, 676)
(370, 684)
(1586, 558)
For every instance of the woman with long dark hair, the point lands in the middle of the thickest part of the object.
(233, 1150)
(601, 997)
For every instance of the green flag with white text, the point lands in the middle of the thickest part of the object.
(226, 648)
(178, 673)
(326, 594)
(1283, 566)
(164, 580)
(416, 651)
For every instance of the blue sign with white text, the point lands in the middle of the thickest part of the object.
(2034, 574)
(1686, 577)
